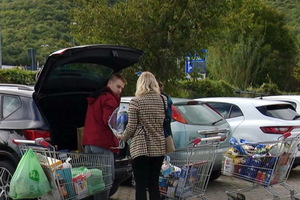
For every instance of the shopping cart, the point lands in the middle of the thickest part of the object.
(263, 164)
(71, 175)
(185, 172)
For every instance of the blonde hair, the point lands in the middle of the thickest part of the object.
(146, 83)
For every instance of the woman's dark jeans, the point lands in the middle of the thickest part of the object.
(146, 174)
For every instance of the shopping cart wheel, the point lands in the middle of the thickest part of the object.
(240, 196)
(231, 197)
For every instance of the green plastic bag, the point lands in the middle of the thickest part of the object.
(95, 181)
(29, 179)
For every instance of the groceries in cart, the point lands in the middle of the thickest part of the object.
(68, 175)
(178, 182)
(118, 121)
(255, 161)
(79, 182)
(169, 178)
(264, 164)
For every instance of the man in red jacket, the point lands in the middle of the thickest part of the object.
(97, 136)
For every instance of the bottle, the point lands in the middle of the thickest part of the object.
(67, 163)
(122, 119)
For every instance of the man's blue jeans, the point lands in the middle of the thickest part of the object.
(102, 151)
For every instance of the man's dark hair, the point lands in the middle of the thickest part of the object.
(117, 76)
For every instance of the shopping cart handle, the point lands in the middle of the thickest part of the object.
(286, 135)
(42, 142)
(37, 141)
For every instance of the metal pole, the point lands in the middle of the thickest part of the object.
(0, 49)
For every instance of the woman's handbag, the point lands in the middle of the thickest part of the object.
(170, 144)
(167, 131)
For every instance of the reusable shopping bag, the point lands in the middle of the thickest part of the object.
(29, 179)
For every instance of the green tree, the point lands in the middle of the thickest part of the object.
(165, 30)
(255, 47)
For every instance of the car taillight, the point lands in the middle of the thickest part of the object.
(277, 129)
(177, 116)
(33, 134)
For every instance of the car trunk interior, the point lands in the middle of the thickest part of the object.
(64, 115)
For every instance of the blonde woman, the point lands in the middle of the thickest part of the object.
(145, 128)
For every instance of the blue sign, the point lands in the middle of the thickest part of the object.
(199, 64)
(188, 67)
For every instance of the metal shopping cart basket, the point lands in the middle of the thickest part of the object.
(263, 164)
(71, 175)
(185, 173)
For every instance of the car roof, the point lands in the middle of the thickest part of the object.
(175, 100)
(16, 89)
(282, 97)
(242, 101)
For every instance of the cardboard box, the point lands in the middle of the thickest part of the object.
(49, 162)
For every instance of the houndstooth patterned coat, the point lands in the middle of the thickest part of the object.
(145, 126)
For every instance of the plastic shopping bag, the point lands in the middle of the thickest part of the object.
(29, 179)
(90, 180)
(118, 121)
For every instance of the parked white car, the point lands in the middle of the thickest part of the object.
(293, 99)
(255, 119)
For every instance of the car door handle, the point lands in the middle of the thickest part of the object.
(209, 132)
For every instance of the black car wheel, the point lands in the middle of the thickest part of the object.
(114, 189)
(215, 175)
(6, 172)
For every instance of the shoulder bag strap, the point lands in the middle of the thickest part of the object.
(165, 109)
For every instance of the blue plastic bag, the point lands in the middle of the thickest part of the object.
(237, 146)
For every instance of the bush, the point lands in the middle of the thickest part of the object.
(269, 89)
(206, 88)
(17, 76)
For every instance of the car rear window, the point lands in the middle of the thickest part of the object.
(279, 111)
(83, 70)
(199, 114)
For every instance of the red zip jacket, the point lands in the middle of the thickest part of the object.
(96, 129)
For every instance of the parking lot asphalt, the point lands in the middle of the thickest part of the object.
(216, 190)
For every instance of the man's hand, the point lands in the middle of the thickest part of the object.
(120, 136)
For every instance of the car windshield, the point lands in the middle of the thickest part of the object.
(199, 114)
(279, 111)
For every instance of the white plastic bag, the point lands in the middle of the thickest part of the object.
(118, 121)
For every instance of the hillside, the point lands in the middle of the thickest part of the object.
(43, 25)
